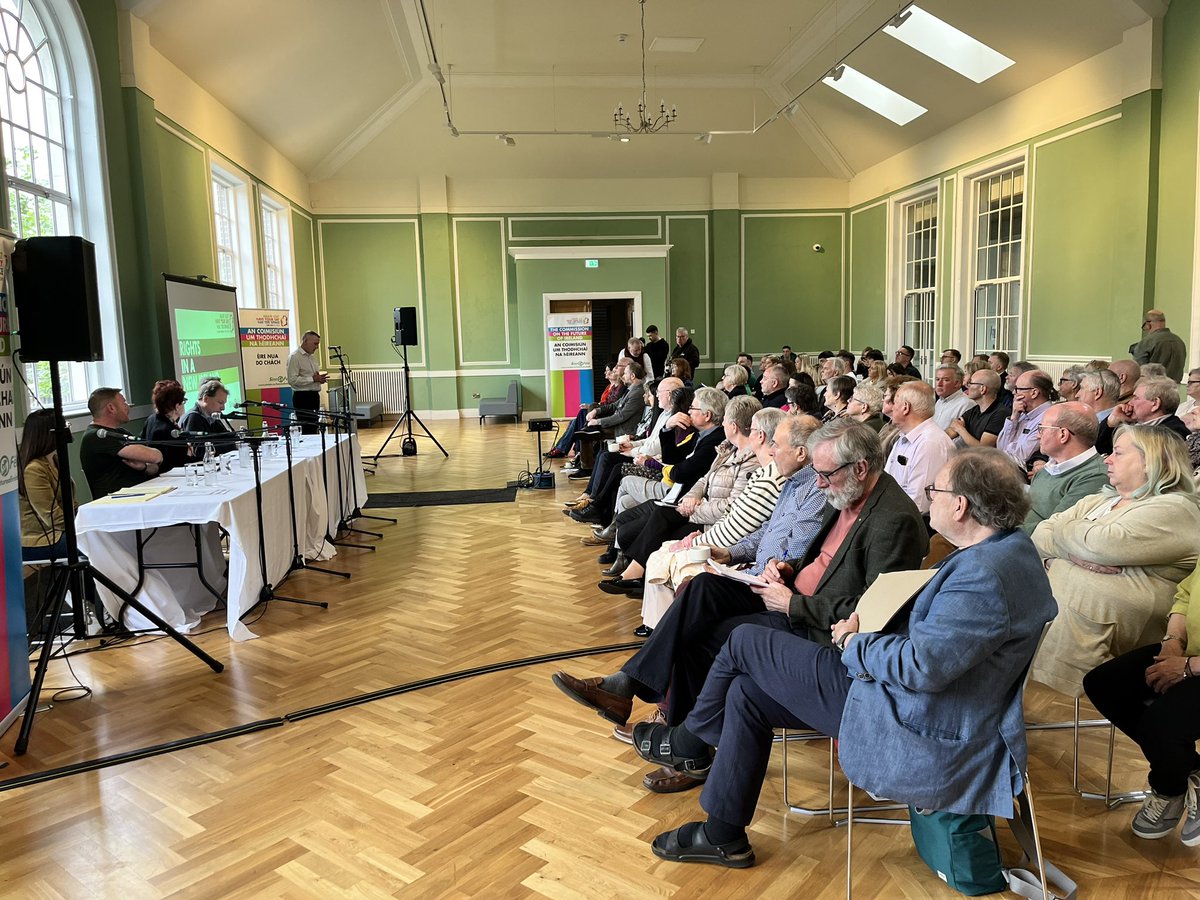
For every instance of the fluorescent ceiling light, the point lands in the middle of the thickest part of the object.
(941, 41)
(873, 95)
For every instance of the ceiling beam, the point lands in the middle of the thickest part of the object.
(812, 135)
(615, 82)
(1137, 11)
(826, 31)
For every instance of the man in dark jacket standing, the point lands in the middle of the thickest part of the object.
(685, 348)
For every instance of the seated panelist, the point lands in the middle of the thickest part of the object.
(169, 402)
(107, 453)
(206, 416)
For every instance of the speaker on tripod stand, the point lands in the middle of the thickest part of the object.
(405, 322)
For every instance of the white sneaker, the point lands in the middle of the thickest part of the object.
(1158, 816)
(1190, 835)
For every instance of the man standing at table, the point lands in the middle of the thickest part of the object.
(306, 378)
(109, 461)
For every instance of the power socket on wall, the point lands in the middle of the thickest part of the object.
(475, 396)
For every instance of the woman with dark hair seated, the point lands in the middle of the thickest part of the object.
(802, 398)
(681, 369)
(837, 396)
(168, 399)
(1153, 695)
(38, 489)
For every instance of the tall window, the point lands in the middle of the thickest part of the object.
(999, 220)
(920, 279)
(232, 231)
(35, 137)
(277, 254)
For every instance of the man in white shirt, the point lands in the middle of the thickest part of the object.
(1100, 391)
(922, 448)
(306, 378)
(952, 403)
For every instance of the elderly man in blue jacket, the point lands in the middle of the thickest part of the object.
(927, 713)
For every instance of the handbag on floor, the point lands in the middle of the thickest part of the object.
(961, 850)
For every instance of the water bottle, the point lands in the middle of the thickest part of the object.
(211, 465)
(243, 449)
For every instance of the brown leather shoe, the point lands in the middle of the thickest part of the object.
(665, 780)
(588, 692)
(592, 541)
(625, 732)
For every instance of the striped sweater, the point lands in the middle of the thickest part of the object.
(749, 511)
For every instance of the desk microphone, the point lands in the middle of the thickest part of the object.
(246, 403)
(110, 433)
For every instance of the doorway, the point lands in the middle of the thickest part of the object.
(616, 317)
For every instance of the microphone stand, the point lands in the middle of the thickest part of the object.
(349, 394)
(268, 590)
(74, 577)
(347, 521)
(357, 512)
(298, 560)
(322, 427)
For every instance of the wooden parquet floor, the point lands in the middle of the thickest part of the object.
(494, 785)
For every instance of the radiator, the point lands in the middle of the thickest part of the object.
(384, 386)
(1054, 366)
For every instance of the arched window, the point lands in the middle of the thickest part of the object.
(54, 183)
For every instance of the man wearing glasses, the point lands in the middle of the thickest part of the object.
(979, 425)
(1074, 471)
(1160, 345)
(869, 526)
(1032, 397)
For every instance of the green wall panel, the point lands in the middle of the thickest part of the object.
(304, 257)
(481, 267)
(791, 294)
(868, 276)
(536, 277)
(185, 180)
(688, 277)
(728, 339)
(1074, 251)
(367, 268)
(587, 228)
(1176, 202)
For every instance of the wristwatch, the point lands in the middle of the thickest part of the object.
(1172, 637)
(841, 642)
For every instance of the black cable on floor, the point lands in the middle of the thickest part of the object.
(211, 737)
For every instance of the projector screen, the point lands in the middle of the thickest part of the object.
(204, 335)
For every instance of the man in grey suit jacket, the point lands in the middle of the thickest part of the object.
(928, 711)
(622, 417)
(871, 526)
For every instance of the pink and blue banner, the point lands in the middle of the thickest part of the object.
(569, 361)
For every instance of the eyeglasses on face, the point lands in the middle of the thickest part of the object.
(930, 490)
(1054, 428)
(828, 476)
(1022, 390)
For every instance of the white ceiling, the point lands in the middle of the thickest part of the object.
(344, 91)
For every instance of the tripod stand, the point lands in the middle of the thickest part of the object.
(408, 446)
(73, 577)
(298, 561)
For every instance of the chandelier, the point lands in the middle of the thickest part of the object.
(645, 125)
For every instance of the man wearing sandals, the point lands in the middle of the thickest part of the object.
(928, 712)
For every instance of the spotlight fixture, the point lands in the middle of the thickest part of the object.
(506, 140)
(644, 125)
(704, 138)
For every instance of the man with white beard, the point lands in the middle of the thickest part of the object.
(870, 526)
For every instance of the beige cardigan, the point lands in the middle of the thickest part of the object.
(724, 481)
(1155, 541)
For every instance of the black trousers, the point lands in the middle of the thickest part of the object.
(307, 403)
(605, 482)
(644, 533)
(681, 650)
(1165, 726)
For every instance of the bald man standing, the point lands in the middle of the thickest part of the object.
(1160, 345)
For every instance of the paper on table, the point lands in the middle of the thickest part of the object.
(136, 494)
(887, 595)
(737, 574)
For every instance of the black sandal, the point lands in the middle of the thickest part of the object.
(733, 855)
(652, 742)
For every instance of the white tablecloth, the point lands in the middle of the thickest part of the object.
(107, 532)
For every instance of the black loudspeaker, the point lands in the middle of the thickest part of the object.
(58, 308)
(406, 326)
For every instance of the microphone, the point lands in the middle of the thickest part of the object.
(335, 346)
(232, 415)
(109, 433)
(246, 403)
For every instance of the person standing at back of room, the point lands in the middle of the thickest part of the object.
(306, 378)
(656, 352)
(1160, 345)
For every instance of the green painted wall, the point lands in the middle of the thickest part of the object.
(482, 270)
(791, 294)
(1176, 219)
(868, 276)
(188, 225)
(304, 256)
(727, 285)
(689, 282)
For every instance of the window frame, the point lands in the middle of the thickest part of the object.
(270, 203)
(897, 293)
(88, 187)
(245, 261)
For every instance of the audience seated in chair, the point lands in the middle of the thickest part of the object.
(981, 424)
(38, 489)
(643, 528)
(952, 403)
(869, 526)
(940, 730)
(1153, 401)
(866, 406)
(1153, 695)
(1074, 469)
(1033, 394)
(921, 448)
(1115, 558)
